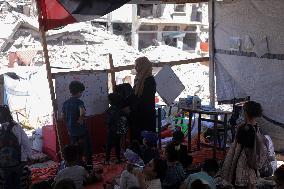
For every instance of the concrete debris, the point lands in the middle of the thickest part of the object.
(165, 53)
(82, 46)
(85, 47)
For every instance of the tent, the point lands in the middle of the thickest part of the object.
(246, 49)
(249, 57)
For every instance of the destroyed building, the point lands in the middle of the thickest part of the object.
(184, 26)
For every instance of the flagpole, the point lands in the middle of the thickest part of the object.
(49, 78)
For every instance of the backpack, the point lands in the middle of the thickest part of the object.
(122, 125)
(10, 149)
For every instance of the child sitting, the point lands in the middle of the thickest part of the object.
(153, 173)
(149, 149)
(116, 126)
(206, 175)
(128, 177)
(175, 173)
(183, 157)
(74, 172)
(198, 184)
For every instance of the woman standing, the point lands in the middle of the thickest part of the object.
(143, 114)
(248, 152)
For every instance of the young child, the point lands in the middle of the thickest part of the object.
(153, 173)
(206, 175)
(15, 150)
(175, 173)
(149, 149)
(183, 157)
(128, 177)
(198, 184)
(74, 172)
(116, 126)
(73, 112)
(248, 153)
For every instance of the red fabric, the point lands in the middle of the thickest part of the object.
(97, 131)
(41, 174)
(109, 172)
(54, 14)
(49, 141)
(167, 133)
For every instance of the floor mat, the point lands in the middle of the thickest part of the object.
(111, 171)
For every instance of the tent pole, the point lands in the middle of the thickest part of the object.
(211, 54)
(51, 88)
(49, 78)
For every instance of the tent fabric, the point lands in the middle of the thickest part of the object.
(57, 13)
(241, 73)
(27, 94)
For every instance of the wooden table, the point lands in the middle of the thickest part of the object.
(215, 120)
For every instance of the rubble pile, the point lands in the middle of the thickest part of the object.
(165, 53)
(83, 46)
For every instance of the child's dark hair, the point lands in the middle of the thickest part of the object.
(178, 136)
(41, 185)
(171, 152)
(210, 166)
(252, 109)
(160, 167)
(115, 100)
(70, 153)
(5, 114)
(150, 145)
(65, 184)
(197, 184)
(76, 87)
(279, 174)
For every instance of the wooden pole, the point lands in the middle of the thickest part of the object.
(49, 78)
(112, 72)
(51, 88)
(211, 54)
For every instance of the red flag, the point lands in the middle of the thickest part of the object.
(56, 13)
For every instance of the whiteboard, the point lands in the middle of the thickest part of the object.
(168, 85)
(95, 96)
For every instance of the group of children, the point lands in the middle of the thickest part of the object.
(149, 168)
(146, 166)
